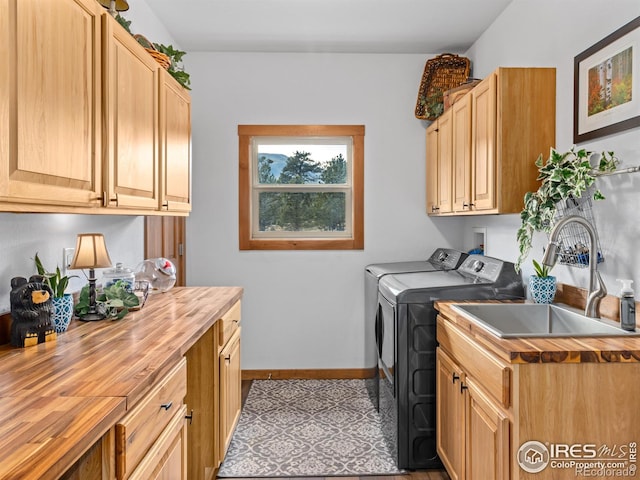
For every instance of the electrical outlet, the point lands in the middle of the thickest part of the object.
(67, 258)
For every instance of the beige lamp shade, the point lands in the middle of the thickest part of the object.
(91, 252)
(121, 5)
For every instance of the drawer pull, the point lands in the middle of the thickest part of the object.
(166, 406)
(454, 377)
(189, 417)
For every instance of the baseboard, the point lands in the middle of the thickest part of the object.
(309, 374)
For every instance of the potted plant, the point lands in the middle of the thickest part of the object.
(542, 285)
(113, 302)
(62, 302)
(563, 175)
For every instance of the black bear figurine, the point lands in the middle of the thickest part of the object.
(31, 311)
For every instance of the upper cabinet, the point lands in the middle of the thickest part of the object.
(131, 112)
(499, 129)
(50, 103)
(175, 145)
(89, 121)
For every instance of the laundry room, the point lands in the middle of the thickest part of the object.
(269, 85)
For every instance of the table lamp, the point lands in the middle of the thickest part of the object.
(91, 253)
(115, 6)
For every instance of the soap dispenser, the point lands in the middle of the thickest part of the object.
(627, 306)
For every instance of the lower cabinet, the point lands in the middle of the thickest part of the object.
(472, 430)
(151, 438)
(213, 394)
(230, 390)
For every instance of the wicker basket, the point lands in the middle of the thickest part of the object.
(442, 73)
(161, 58)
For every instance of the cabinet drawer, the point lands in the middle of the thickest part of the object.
(229, 323)
(140, 428)
(490, 372)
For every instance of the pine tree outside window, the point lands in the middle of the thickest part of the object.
(301, 187)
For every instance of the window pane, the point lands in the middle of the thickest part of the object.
(302, 212)
(302, 164)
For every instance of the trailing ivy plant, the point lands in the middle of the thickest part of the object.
(175, 69)
(563, 175)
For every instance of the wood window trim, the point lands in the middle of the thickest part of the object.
(246, 242)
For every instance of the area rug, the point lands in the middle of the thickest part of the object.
(297, 428)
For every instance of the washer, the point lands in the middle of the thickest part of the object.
(406, 339)
(441, 259)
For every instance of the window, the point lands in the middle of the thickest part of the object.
(301, 187)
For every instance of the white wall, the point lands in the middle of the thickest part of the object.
(22, 235)
(552, 33)
(304, 309)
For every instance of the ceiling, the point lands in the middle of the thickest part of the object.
(337, 26)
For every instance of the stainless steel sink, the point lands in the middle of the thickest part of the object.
(509, 320)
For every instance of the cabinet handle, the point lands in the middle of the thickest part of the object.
(454, 377)
(463, 387)
(189, 417)
(227, 359)
(465, 205)
(165, 204)
(472, 204)
(434, 209)
(166, 406)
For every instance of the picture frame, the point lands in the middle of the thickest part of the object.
(607, 85)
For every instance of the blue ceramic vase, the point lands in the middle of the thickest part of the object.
(543, 289)
(63, 311)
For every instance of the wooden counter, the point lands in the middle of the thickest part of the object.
(58, 398)
(547, 350)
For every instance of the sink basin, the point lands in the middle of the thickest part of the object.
(509, 320)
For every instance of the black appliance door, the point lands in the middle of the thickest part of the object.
(386, 341)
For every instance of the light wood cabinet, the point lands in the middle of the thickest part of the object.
(131, 111)
(493, 402)
(450, 415)
(461, 154)
(150, 439)
(499, 129)
(175, 145)
(107, 131)
(439, 164)
(214, 396)
(433, 177)
(472, 429)
(50, 103)
(230, 390)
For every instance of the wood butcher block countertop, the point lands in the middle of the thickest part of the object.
(58, 398)
(601, 349)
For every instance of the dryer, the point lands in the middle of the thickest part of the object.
(406, 346)
(441, 259)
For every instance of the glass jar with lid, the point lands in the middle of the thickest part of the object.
(120, 272)
(159, 272)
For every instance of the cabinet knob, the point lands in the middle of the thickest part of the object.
(166, 406)
(454, 377)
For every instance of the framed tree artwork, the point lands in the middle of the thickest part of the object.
(607, 85)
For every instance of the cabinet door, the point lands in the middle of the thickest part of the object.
(487, 436)
(50, 105)
(230, 390)
(175, 145)
(483, 113)
(433, 179)
(201, 400)
(131, 102)
(461, 154)
(445, 162)
(167, 457)
(450, 415)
